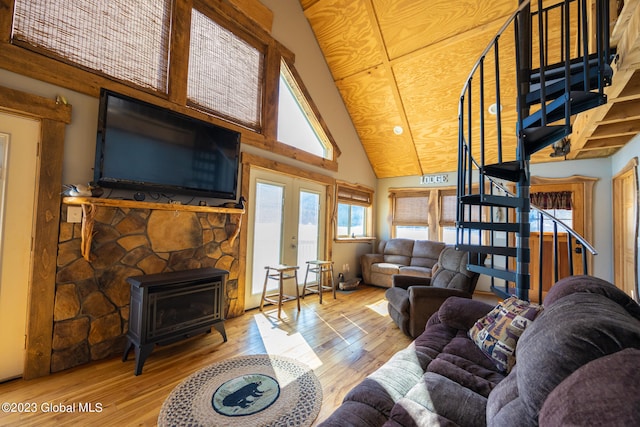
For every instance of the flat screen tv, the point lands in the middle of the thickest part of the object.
(146, 148)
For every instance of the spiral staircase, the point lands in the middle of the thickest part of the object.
(562, 56)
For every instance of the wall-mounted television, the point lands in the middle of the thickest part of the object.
(146, 148)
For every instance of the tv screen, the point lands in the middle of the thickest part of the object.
(143, 147)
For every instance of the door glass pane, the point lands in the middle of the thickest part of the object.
(308, 227)
(267, 234)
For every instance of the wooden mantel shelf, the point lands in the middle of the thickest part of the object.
(90, 203)
(134, 204)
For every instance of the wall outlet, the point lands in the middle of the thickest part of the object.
(74, 214)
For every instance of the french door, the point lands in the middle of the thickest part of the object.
(286, 226)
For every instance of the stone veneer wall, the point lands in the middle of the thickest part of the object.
(91, 309)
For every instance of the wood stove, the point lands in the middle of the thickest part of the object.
(168, 307)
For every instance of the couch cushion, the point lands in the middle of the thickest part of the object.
(497, 333)
(575, 330)
(450, 400)
(426, 253)
(466, 373)
(590, 284)
(385, 268)
(390, 382)
(407, 413)
(415, 271)
(604, 392)
(398, 251)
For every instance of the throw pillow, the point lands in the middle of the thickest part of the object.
(497, 333)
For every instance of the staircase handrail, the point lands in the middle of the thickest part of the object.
(491, 44)
(579, 238)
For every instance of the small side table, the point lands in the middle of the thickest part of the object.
(280, 273)
(321, 269)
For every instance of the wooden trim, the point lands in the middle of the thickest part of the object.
(53, 116)
(34, 106)
(180, 39)
(632, 164)
(619, 247)
(271, 95)
(6, 20)
(257, 12)
(45, 238)
(252, 160)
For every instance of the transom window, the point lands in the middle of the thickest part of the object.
(298, 124)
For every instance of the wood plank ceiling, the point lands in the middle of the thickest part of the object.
(404, 62)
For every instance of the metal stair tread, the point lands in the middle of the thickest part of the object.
(500, 273)
(491, 200)
(511, 171)
(538, 138)
(556, 70)
(508, 227)
(580, 101)
(556, 87)
(493, 250)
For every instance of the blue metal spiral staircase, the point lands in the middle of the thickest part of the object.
(559, 62)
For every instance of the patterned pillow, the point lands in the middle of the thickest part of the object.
(497, 333)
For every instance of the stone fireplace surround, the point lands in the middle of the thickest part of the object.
(91, 309)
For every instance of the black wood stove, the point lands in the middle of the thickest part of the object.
(168, 307)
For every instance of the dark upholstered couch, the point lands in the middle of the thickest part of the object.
(577, 363)
(399, 256)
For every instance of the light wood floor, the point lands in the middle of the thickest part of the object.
(343, 340)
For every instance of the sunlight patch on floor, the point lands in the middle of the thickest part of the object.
(280, 342)
(353, 323)
(380, 307)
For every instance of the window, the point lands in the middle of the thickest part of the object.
(430, 214)
(556, 204)
(126, 40)
(354, 211)
(448, 203)
(298, 123)
(225, 72)
(410, 214)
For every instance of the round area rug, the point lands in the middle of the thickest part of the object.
(258, 390)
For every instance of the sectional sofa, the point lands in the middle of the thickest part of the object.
(572, 361)
(399, 256)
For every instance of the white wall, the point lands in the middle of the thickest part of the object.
(80, 135)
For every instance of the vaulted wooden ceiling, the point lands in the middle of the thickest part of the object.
(404, 63)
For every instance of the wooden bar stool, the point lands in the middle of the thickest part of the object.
(321, 270)
(280, 273)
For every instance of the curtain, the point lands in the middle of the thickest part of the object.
(552, 200)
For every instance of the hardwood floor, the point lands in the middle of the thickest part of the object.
(343, 340)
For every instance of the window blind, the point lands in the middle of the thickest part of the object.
(123, 39)
(411, 209)
(354, 195)
(225, 72)
(448, 206)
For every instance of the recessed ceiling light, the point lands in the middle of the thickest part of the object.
(398, 130)
(493, 109)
